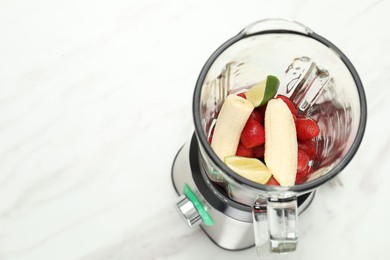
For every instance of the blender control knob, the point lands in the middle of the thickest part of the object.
(188, 211)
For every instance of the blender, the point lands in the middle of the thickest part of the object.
(236, 213)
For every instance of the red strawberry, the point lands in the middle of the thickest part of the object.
(306, 129)
(301, 177)
(258, 151)
(253, 134)
(273, 181)
(262, 112)
(309, 147)
(242, 95)
(289, 103)
(256, 115)
(303, 160)
(243, 151)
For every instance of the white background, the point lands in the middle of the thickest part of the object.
(95, 101)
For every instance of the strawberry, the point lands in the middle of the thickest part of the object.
(258, 151)
(302, 177)
(253, 134)
(241, 95)
(273, 181)
(262, 112)
(243, 151)
(257, 115)
(306, 129)
(309, 147)
(303, 160)
(289, 103)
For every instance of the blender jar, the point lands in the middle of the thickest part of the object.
(322, 83)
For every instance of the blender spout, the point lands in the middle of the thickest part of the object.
(273, 24)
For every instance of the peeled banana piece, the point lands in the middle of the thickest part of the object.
(281, 146)
(232, 118)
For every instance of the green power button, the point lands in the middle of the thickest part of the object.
(199, 207)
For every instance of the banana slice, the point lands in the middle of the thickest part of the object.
(232, 118)
(281, 146)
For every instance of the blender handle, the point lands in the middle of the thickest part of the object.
(276, 25)
(260, 225)
(275, 223)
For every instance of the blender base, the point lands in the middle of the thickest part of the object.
(233, 228)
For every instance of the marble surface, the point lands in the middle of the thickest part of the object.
(95, 101)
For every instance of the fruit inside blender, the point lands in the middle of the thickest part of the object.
(276, 131)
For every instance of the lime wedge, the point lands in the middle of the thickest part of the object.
(263, 91)
(249, 168)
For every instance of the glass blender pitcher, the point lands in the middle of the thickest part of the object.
(233, 211)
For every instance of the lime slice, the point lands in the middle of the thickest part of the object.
(250, 168)
(263, 91)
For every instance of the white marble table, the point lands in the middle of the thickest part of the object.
(95, 101)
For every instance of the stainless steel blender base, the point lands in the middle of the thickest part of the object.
(232, 228)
